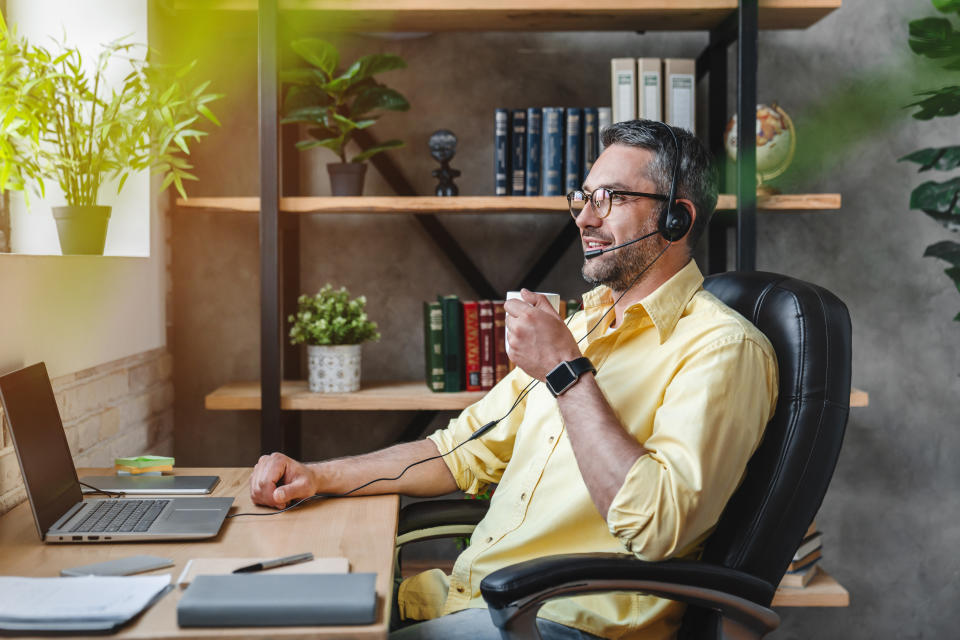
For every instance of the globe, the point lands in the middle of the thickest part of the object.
(776, 142)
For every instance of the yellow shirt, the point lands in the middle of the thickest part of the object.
(691, 379)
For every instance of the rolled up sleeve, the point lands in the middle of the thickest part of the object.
(710, 422)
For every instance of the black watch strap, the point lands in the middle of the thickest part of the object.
(567, 373)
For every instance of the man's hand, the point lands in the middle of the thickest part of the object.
(278, 479)
(538, 338)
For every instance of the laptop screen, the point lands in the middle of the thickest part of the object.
(48, 472)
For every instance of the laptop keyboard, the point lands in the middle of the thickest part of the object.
(112, 516)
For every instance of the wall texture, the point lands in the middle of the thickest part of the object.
(889, 519)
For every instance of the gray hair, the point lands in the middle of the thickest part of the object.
(698, 176)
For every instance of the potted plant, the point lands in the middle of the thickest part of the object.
(333, 327)
(66, 125)
(338, 103)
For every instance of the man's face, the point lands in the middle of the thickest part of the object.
(623, 168)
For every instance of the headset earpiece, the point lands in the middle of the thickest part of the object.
(674, 222)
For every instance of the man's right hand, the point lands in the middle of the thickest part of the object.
(278, 479)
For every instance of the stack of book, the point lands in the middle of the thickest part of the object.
(805, 561)
(464, 343)
(654, 89)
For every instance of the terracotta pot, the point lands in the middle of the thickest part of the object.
(82, 229)
(346, 178)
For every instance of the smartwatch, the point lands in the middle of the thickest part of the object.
(565, 375)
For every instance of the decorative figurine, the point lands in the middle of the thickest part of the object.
(443, 146)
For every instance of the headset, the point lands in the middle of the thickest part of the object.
(674, 221)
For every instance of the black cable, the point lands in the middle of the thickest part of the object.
(112, 494)
(479, 432)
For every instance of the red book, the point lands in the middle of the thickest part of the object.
(486, 344)
(501, 365)
(471, 344)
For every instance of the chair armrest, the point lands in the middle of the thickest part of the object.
(439, 519)
(514, 594)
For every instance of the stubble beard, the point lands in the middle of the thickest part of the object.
(620, 270)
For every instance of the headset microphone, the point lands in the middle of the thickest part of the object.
(593, 253)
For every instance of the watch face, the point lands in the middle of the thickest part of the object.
(560, 378)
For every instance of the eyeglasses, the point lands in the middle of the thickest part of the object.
(602, 200)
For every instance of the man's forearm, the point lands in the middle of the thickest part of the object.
(431, 478)
(604, 450)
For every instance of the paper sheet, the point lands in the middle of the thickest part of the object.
(84, 599)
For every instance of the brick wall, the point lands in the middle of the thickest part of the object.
(120, 408)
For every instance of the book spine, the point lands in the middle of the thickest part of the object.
(534, 138)
(501, 152)
(573, 151)
(518, 151)
(680, 96)
(650, 88)
(590, 145)
(452, 343)
(552, 143)
(471, 345)
(623, 82)
(604, 120)
(433, 344)
(501, 365)
(486, 345)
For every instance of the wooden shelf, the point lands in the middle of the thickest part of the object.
(528, 15)
(823, 591)
(478, 204)
(374, 396)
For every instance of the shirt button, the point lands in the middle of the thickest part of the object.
(523, 496)
(459, 589)
(489, 540)
(551, 438)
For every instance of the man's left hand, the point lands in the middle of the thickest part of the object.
(538, 338)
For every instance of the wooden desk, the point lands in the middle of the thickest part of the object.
(361, 529)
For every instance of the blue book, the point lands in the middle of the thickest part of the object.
(532, 177)
(551, 164)
(518, 151)
(501, 152)
(574, 149)
(591, 146)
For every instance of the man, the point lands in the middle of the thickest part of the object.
(645, 441)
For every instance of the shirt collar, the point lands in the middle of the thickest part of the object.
(664, 306)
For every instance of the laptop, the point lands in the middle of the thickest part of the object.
(59, 510)
(149, 485)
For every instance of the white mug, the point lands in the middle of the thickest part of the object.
(552, 298)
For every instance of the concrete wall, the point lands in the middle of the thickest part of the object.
(889, 519)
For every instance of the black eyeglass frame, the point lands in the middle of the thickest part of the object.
(611, 192)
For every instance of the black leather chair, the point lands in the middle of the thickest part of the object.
(730, 589)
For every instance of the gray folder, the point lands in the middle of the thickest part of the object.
(267, 600)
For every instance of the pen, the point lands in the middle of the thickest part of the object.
(278, 562)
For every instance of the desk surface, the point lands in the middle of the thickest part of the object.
(361, 529)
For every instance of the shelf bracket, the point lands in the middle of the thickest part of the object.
(747, 20)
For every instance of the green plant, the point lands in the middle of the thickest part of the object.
(331, 317)
(61, 123)
(935, 38)
(339, 103)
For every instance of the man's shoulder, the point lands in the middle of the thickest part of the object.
(717, 324)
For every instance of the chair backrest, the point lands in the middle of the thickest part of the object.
(787, 477)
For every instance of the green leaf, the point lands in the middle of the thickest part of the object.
(945, 250)
(940, 103)
(939, 158)
(935, 39)
(334, 144)
(372, 151)
(208, 114)
(305, 77)
(306, 114)
(373, 64)
(939, 200)
(947, 5)
(378, 97)
(319, 53)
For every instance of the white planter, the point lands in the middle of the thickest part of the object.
(334, 368)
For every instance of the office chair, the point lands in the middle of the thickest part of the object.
(730, 589)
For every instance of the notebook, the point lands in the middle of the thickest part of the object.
(222, 566)
(59, 510)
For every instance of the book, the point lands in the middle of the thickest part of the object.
(808, 545)
(223, 566)
(604, 120)
(501, 364)
(534, 137)
(501, 152)
(471, 345)
(433, 344)
(487, 347)
(623, 82)
(650, 88)
(805, 561)
(270, 599)
(551, 164)
(800, 579)
(518, 151)
(452, 314)
(680, 93)
(573, 144)
(591, 148)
